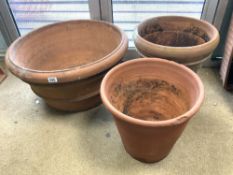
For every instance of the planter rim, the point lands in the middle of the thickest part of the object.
(72, 73)
(215, 38)
(174, 121)
(186, 64)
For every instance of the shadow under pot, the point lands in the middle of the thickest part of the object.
(151, 100)
(184, 40)
(65, 62)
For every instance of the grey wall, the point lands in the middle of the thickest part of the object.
(3, 45)
(223, 31)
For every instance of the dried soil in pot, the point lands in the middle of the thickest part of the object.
(150, 99)
(168, 35)
(181, 39)
(175, 39)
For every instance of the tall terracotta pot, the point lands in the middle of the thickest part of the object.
(65, 62)
(185, 40)
(152, 101)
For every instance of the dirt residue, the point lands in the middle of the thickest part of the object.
(149, 99)
(174, 36)
(198, 32)
(176, 39)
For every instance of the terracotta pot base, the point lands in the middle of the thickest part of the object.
(148, 159)
(195, 66)
(73, 105)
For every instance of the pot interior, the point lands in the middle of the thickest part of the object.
(152, 90)
(65, 45)
(176, 33)
(150, 99)
(174, 38)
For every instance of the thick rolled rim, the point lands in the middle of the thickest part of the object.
(175, 121)
(186, 64)
(215, 39)
(67, 74)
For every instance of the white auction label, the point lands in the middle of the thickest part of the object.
(52, 79)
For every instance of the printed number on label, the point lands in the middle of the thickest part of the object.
(52, 79)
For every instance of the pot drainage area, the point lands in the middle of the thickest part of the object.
(150, 100)
(186, 37)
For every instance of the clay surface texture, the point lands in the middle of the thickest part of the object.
(169, 35)
(150, 99)
(65, 62)
(185, 40)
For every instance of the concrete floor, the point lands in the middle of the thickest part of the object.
(36, 140)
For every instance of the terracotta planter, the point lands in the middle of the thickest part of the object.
(64, 62)
(192, 65)
(151, 100)
(182, 39)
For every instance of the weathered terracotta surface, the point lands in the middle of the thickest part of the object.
(65, 62)
(175, 39)
(79, 104)
(78, 95)
(192, 65)
(181, 39)
(151, 100)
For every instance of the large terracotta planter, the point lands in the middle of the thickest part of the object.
(151, 100)
(182, 39)
(64, 62)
